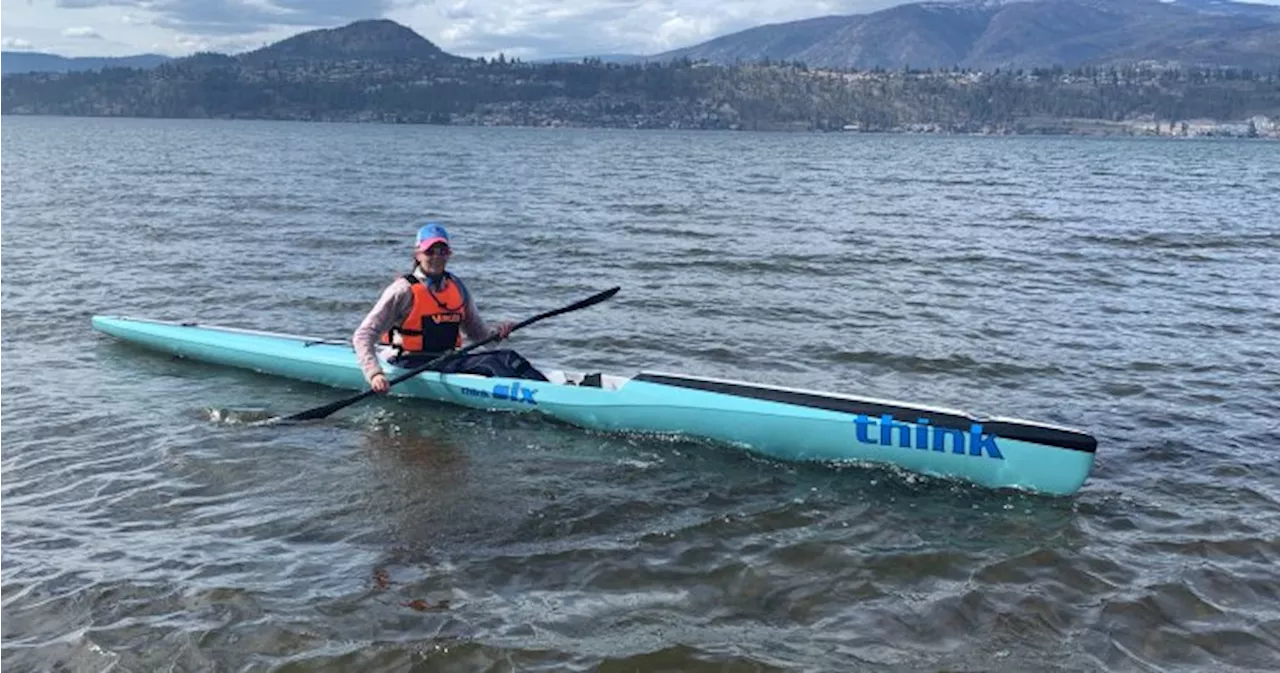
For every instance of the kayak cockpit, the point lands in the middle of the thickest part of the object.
(586, 379)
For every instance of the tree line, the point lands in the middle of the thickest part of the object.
(675, 93)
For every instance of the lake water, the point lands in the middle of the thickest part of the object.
(1128, 287)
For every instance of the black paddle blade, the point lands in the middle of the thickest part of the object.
(590, 301)
(321, 412)
(575, 306)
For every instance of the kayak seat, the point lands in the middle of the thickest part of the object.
(592, 381)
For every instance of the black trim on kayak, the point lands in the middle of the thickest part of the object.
(1066, 439)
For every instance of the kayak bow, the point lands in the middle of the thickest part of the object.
(783, 423)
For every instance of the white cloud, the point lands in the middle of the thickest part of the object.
(192, 43)
(81, 32)
(526, 28)
(539, 28)
(244, 17)
(531, 28)
(16, 43)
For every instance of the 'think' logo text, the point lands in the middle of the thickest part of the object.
(883, 430)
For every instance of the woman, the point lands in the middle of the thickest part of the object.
(425, 313)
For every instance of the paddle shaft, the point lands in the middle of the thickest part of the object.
(321, 412)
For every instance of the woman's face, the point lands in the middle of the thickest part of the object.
(434, 259)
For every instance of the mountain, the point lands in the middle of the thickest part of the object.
(1229, 8)
(34, 61)
(975, 34)
(988, 34)
(370, 40)
(382, 72)
(916, 35)
(374, 39)
(775, 41)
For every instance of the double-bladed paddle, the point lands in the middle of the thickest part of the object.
(321, 412)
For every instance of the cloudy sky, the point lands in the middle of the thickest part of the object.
(525, 28)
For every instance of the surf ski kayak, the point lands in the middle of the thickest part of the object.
(782, 423)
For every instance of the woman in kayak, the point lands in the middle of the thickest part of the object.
(425, 313)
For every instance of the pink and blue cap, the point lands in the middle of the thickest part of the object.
(430, 234)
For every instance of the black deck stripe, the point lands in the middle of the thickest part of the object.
(1076, 441)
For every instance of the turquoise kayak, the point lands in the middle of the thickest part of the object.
(782, 423)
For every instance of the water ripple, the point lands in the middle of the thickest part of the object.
(150, 526)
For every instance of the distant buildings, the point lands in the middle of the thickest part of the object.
(1257, 126)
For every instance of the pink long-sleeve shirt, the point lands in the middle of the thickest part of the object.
(393, 308)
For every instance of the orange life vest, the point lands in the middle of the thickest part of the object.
(434, 325)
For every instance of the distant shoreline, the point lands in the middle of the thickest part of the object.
(677, 95)
(1040, 127)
